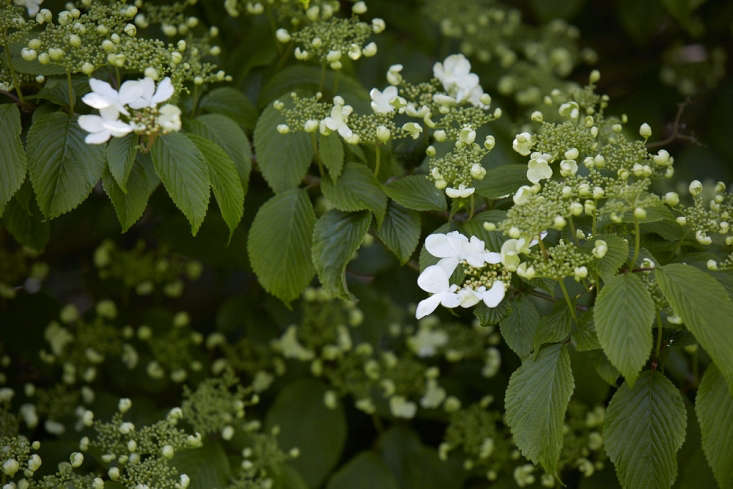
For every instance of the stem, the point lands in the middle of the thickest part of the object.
(72, 97)
(542, 247)
(637, 242)
(473, 207)
(317, 154)
(658, 348)
(572, 230)
(16, 84)
(567, 299)
(378, 161)
(323, 77)
(195, 106)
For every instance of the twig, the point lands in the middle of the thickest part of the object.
(677, 126)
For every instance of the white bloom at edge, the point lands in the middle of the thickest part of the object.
(455, 75)
(538, 168)
(101, 128)
(382, 102)
(103, 96)
(454, 247)
(169, 118)
(150, 96)
(337, 120)
(435, 279)
(459, 193)
(32, 6)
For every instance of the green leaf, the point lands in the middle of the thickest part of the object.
(365, 471)
(705, 308)
(227, 134)
(617, 255)
(400, 231)
(283, 159)
(502, 181)
(306, 423)
(623, 317)
(224, 181)
(304, 76)
(519, 326)
(130, 206)
(232, 103)
(185, 175)
(24, 220)
(714, 408)
(416, 192)
(13, 161)
(643, 430)
(336, 237)
(584, 335)
(208, 466)
(62, 167)
(121, 158)
(553, 328)
(356, 190)
(548, 10)
(475, 227)
(331, 151)
(279, 244)
(536, 400)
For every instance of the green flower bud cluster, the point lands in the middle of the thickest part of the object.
(262, 459)
(331, 41)
(693, 68)
(14, 27)
(709, 215)
(562, 260)
(296, 12)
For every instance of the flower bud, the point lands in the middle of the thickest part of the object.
(369, 50)
(640, 213)
(695, 188)
(645, 130)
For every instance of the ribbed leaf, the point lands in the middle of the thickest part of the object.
(519, 326)
(617, 255)
(356, 190)
(416, 192)
(502, 181)
(121, 158)
(23, 219)
(185, 175)
(623, 317)
(365, 471)
(308, 76)
(283, 159)
(130, 206)
(13, 161)
(336, 237)
(643, 430)
(553, 328)
(306, 423)
(714, 408)
(62, 167)
(705, 308)
(536, 400)
(208, 466)
(224, 181)
(400, 231)
(231, 103)
(279, 244)
(331, 151)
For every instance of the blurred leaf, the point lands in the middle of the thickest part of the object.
(232, 103)
(314, 78)
(365, 471)
(24, 220)
(502, 181)
(400, 231)
(548, 10)
(13, 160)
(208, 466)
(416, 192)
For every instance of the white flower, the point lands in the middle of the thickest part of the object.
(510, 251)
(338, 119)
(522, 195)
(434, 395)
(539, 168)
(150, 96)
(32, 6)
(104, 97)
(101, 128)
(426, 342)
(401, 407)
(169, 118)
(435, 280)
(454, 247)
(522, 143)
(461, 192)
(494, 295)
(290, 347)
(383, 102)
(455, 75)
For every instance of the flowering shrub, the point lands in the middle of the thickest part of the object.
(421, 271)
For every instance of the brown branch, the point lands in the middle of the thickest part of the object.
(677, 127)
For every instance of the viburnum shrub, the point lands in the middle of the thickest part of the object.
(437, 256)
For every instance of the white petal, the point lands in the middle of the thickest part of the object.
(448, 265)
(492, 257)
(117, 128)
(433, 279)
(109, 113)
(91, 123)
(495, 294)
(102, 88)
(450, 299)
(129, 91)
(97, 137)
(427, 306)
(439, 246)
(468, 297)
(164, 92)
(96, 100)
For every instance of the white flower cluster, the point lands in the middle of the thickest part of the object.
(138, 101)
(454, 248)
(32, 6)
(459, 83)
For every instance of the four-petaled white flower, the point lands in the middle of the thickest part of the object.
(459, 193)
(539, 167)
(101, 128)
(32, 6)
(454, 247)
(337, 121)
(435, 279)
(103, 96)
(385, 101)
(458, 81)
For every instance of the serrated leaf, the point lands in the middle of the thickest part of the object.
(24, 221)
(643, 430)
(416, 192)
(584, 334)
(121, 154)
(185, 176)
(336, 237)
(306, 423)
(331, 152)
(617, 255)
(519, 326)
(489, 316)
(224, 181)
(207, 467)
(13, 160)
(232, 139)
(305, 76)
(231, 103)
(365, 471)
(536, 400)
(706, 310)
(279, 244)
(400, 231)
(623, 318)
(553, 328)
(62, 167)
(130, 206)
(356, 190)
(714, 408)
(502, 181)
(283, 159)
